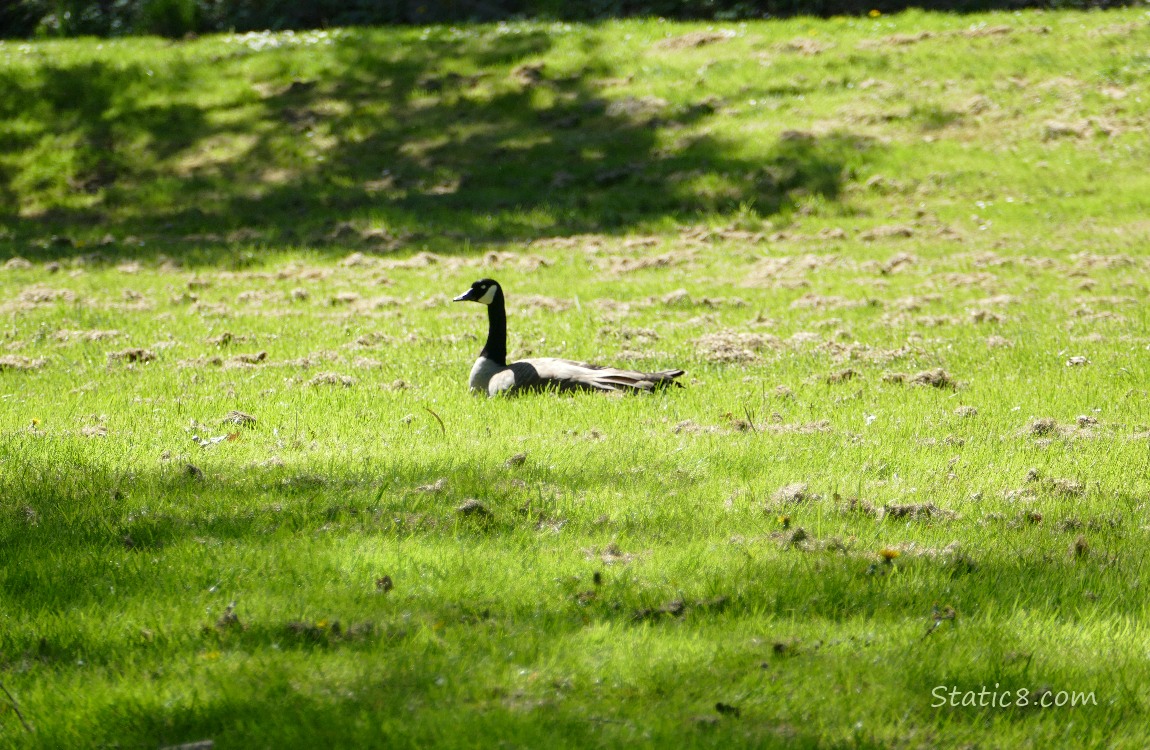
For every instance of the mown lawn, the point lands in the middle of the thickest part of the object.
(903, 260)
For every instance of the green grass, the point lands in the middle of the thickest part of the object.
(832, 196)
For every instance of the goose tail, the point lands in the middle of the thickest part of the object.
(640, 381)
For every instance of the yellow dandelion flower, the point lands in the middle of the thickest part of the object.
(875, 13)
(889, 554)
(784, 521)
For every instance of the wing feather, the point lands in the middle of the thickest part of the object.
(549, 373)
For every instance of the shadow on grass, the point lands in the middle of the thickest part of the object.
(90, 517)
(431, 144)
(72, 534)
(379, 710)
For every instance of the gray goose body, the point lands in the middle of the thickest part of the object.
(492, 375)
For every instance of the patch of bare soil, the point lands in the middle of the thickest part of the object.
(38, 294)
(732, 346)
(798, 338)
(1085, 315)
(979, 279)
(93, 335)
(636, 336)
(332, 378)
(1101, 299)
(799, 492)
(683, 298)
(1067, 487)
(886, 232)
(805, 428)
(1044, 427)
(21, 364)
(950, 234)
(936, 378)
(841, 376)
(238, 418)
(805, 46)
(498, 258)
(877, 356)
(419, 260)
(923, 321)
(826, 302)
(344, 298)
(908, 511)
(211, 309)
(439, 485)
(475, 509)
(976, 105)
(540, 302)
(690, 427)
(358, 260)
(373, 338)
(637, 109)
(1053, 129)
(309, 361)
(998, 300)
(789, 270)
(381, 302)
(253, 297)
(694, 40)
(897, 262)
(586, 242)
(951, 554)
(915, 302)
(896, 40)
(965, 411)
(917, 512)
(698, 235)
(630, 265)
(609, 555)
(17, 264)
(199, 362)
(986, 316)
(241, 360)
(529, 74)
(132, 355)
(1119, 29)
(981, 31)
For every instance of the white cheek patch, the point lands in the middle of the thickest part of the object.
(488, 296)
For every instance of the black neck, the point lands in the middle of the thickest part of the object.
(496, 347)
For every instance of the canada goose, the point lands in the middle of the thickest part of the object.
(492, 374)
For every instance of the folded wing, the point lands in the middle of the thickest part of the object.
(549, 373)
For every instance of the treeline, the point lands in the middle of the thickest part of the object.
(175, 18)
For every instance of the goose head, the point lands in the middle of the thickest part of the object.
(483, 291)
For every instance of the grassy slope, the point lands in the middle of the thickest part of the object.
(1015, 161)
